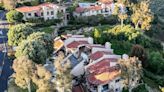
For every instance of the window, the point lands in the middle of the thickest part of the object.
(105, 87)
(29, 14)
(52, 12)
(117, 80)
(117, 90)
(36, 15)
(101, 10)
(47, 13)
(62, 11)
(41, 13)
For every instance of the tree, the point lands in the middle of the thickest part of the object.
(18, 33)
(142, 15)
(63, 75)
(44, 38)
(33, 49)
(34, 2)
(139, 51)
(122, 17)
(14, 16)
(23, 68)
(156, 62)
(97, 35)
(131, 71)
(9, 4)
(42, 78)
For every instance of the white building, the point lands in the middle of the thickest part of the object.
(97, 62)
(46, 11)
(104, 7)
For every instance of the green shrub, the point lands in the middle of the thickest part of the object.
(47, 30)
(156, 62)
(121, 47)
(140, 88)
(35, 20)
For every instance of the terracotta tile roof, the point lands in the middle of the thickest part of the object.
(102, 78)
(101, 72)
(28, 9)
(99, 54)
(77, 89)
(94, 45)
(34, 8)
(58, 44)
(106, 1)
(79, 9)
(94, 8)
(75, 44)
(101, 65)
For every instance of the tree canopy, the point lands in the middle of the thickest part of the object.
(63, 76)
(33, 49)
(23, 68)
(14, 16)
(9, 4)
(142, 15)
(42, 79)
(18, 33)
(44, 38)
(131, 71)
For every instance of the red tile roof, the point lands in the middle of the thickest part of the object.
(99, 54)
(75, 44)
(106, 1)
(94, 8)
(77, 89)
(102, 78)
(93, 45)
(101, 65)
(79, 9)
(34, 8)
(101, 72)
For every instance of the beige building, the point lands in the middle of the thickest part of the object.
(46, 11)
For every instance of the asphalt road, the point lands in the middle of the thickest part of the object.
(7, 70)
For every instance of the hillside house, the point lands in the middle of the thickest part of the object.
(103, 7)
(96, 62)
(46, 11)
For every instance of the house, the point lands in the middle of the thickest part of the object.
(96, 62)
(103, 7)
(46, 11)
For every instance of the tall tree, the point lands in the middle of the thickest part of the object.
(131, 71)
(14, 16)
(139, 51)
(44, 38)
(18, 33)
(63, 75)
(33, 49)
(122, 17)
(9, 4)
(23, 68)
(97, 34)
(142, 15)
(42, 78)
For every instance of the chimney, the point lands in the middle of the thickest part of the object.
(125, 56)
(108, 45)
(90, 40)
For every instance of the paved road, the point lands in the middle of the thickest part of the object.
(6, 71)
